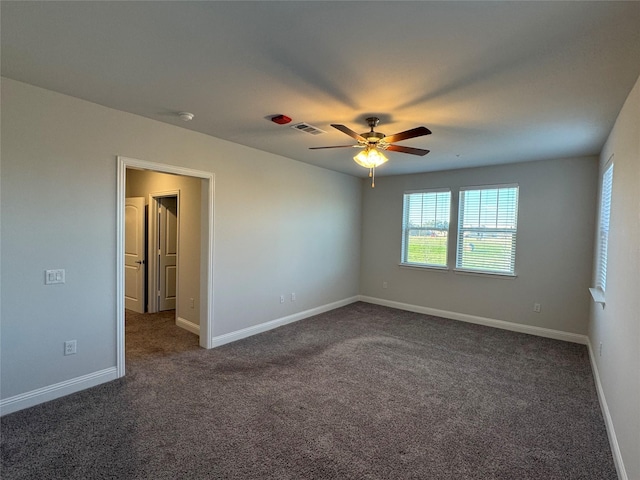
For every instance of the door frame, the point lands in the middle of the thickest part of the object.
(206, 249)
(152, 262)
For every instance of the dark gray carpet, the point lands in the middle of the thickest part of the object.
(362, 392)
(155, 335)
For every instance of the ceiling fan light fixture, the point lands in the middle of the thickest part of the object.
(372, 142)
(370, 157)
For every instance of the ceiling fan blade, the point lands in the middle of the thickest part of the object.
(414, 132)
(411, 150)
(349, 132)
(334, 146)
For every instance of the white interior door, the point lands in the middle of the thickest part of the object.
(134, 255)
(168, 252)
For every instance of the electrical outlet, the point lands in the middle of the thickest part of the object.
(70, 347)
(191, 303)
(536, 307)
(384, 285)
(281, 298)
(600, 350)
(293, 296)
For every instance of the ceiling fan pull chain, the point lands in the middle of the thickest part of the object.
(373, 177)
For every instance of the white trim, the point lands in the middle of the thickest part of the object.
(598, 295)
(428, 190)
(607, 163)
(489, 187)
(120, 203)
(489, 322)
(278, 322)
(187, 325)
(421, 266)
(206, 304)
(608, 421)
(485, 273)
(207, 300)
(57, 390)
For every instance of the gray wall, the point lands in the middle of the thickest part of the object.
(141, 183)
(280, 226)
(617, 325)
(553, 255)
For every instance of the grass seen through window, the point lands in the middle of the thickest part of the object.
(427, 249)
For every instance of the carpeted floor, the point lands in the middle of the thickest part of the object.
(361, 392)
(149, 335)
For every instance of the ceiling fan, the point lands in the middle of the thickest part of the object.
(373, 142)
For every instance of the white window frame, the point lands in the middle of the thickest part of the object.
(604, 218)
(483, 230)
(404, 261)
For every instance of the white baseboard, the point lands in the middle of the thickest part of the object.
(278, 322)
(489, 322)
(187, 325)
(51, 392)
(611, 433)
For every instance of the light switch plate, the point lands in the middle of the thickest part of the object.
(52, 277)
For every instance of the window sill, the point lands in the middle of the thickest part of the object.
(598, 296)
(504, 276)
(424, 267)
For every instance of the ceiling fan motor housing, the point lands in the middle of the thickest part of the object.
(373, 137)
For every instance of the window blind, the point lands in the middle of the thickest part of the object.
(487, 228)
(425, 227)
(605, 215)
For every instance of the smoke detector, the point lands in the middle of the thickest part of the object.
(186, 116)
(280, 119)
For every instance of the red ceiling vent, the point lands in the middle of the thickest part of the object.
(280, 119)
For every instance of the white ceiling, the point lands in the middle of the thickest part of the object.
(496, 82)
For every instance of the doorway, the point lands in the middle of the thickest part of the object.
(203, 300)
(164, 246)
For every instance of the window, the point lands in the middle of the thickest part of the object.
(425, 228)
(487, 227)
(605, 213)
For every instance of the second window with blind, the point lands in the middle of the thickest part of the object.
(486, 229)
